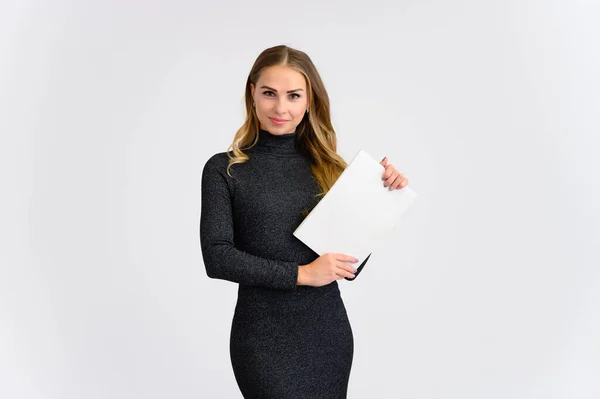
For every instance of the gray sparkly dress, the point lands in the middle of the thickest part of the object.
(286, 341)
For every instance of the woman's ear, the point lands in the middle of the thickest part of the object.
(252, 89)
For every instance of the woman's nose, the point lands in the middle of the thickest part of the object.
(279, 106)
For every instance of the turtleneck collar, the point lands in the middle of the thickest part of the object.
(281, 144)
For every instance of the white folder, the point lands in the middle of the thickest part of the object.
(357, 214)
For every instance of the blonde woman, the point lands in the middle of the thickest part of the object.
(290, 335)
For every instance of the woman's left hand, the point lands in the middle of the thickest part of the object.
(391, 177)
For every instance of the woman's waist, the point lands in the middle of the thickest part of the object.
(298, 299)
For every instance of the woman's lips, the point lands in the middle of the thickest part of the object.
(278, 121)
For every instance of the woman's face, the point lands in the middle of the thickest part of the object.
(281, 99)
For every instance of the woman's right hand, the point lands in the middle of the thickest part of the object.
(326, 269)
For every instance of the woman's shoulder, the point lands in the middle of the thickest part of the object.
(219, 159)
(220, 162)
(216, 163)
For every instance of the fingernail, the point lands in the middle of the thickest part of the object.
(355, 260)
(382, 159)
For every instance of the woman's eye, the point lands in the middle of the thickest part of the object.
(268, 93)
(295, 96)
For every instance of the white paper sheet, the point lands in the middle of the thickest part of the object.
(357, 214)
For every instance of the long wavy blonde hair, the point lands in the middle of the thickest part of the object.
(315, 132)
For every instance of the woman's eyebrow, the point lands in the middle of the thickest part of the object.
(270, 88)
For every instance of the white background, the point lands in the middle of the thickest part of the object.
(490, 286)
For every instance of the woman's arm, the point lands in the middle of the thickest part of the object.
(221, 259)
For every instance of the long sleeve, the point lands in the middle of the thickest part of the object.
(222, 259)
(359, 269)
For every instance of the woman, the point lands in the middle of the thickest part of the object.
(290, 335)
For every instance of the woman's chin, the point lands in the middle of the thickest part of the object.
(281, 129)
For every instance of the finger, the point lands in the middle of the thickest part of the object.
(343, 273)
(346, 274)
(346, 267)
(391, 179)
(345, 258)
(389, 170)
(397, 181)
(400, 183)
(384, 161)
